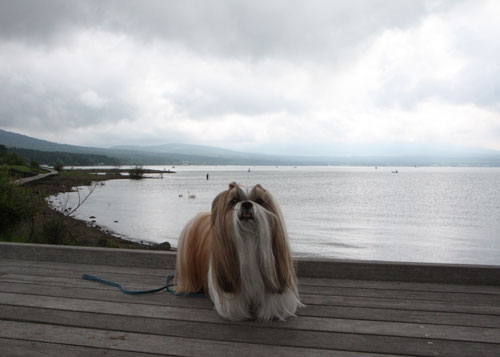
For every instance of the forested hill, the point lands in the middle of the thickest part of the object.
(67, 158)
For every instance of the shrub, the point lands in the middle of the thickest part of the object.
(136, 173)
(58, 165)
(16, 204)
(54, 231)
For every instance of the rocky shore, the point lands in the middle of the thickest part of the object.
(79, 232)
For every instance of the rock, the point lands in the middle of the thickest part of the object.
(91, 217)
(162, 246)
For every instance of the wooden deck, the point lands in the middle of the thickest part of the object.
(47, 309)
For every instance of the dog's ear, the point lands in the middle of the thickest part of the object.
(283, 277)
(224, 259)
(232, 185)
(216, 206)
(285, 270)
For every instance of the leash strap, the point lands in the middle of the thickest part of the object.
(167, 286)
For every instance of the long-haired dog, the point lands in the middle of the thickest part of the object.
(239, 254)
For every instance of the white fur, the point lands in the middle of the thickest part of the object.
(253, 242)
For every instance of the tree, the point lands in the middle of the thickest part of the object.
(58, 165)
(13, 159)
(34, 165)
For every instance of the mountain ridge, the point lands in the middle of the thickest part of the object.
(178, 153)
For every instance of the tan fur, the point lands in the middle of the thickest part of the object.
(193, 256)
(203, 241)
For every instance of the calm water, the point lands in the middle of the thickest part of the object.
(448, 215)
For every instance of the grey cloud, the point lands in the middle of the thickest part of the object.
(51, 108)
(40, 21)
(213, 100)
(309, 30)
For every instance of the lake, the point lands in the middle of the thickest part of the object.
(419, 214)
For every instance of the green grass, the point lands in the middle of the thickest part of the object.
(69, 173)
(21, 168)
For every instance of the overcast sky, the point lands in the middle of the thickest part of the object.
(311, 77)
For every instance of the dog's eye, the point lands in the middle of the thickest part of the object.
(259, 201)
(234, 201)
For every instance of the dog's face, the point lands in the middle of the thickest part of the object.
(243, 204)
(240, 213)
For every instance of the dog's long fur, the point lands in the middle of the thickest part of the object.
(240, 255)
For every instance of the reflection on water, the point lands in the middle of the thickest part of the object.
(419, 214)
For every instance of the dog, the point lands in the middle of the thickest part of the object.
(240, 255)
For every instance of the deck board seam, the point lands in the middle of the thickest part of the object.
(133, 283)
(241, 341)
(408, 309)
(387, 308)
(488, 295)
(317, 304)
(229, 323)
(85, 346)
(396, 298)
(282, 327)
(169, 271)
(258, 343)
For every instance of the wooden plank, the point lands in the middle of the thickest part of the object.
(397, 285)
(26, 348)
(419, 317)
(137, 342)
(361, 313)
(335, 269)
(114, 295)
(309, 300)
(400, 271)
(476, 334)
(387, 285)
(88, 255)
(258, 334)
(122, 278)
(66, 282)
(155, 281)
(25, 180)
(232, 333)
(83, 267)
(398, 304)
(477, 299)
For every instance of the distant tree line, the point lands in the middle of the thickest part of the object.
(7, 158)
(17, 156)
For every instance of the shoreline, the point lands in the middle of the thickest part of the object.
(84, 233)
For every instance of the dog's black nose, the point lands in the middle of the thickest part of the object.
(247, 205)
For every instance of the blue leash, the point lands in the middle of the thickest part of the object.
(167, 286)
